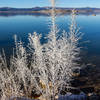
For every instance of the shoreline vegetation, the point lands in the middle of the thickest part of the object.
(44, 69)
(47, 11)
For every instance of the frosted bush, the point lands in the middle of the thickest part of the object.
(46, 69)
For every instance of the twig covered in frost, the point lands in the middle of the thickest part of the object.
(8, 87)
(21, 71)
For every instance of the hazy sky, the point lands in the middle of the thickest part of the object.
(61, 3)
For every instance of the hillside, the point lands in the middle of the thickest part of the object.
(46, 10)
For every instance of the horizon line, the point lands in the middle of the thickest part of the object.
(46, 6)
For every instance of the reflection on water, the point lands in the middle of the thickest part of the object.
(24, 24)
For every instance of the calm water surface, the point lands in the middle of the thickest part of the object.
(24, 24)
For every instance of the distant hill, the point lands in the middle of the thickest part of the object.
(46, 10)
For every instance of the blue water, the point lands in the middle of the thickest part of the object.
(21, 25)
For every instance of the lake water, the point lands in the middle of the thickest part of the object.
(21, 25)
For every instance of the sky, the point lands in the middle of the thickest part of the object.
(41, 3)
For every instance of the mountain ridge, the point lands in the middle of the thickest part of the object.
(47, 10)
